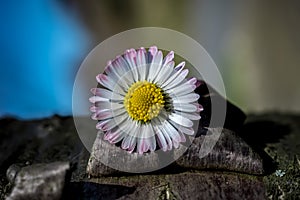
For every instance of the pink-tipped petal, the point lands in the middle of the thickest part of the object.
(163, 129)
(191, 116)
(155, 66)
(173, 76)
(200, 108)
(179, 119)
(180, 66)
(130, 58)
(141, 63)
(187, 131)
(168, 58)
(107, 113)
(199, 82)
(185, 107)
(110, 84)
(178, 79)
(153, 50)
(110, 124)
(126, 142)
(165, 73)
(161, 140)
(152, 143)
(182, 137)
(95, 99)
(173, 133)
(175, 143)
(183, 89)
(93, 108)
(107, 94)
(188, 98)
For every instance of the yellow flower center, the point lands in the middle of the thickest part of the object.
(144, 101)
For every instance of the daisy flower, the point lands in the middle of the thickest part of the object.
(143, 102)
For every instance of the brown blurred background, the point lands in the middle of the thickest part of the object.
(255, 44)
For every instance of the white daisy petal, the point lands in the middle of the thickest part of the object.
(108, 63)
(187, 131)
(114, 137)
(200, 108)
(132, 145)
(126, 142)
(183, 89)
(168, 58)
(155, 66)
(109, 84)
(141, 63)
(110, 134)
(95, 99)
(164, 130)
(101, 92)
(108, 105)
(188, 98)
(180, 66)
(111, 123)
(152, 51)
(177, 79)
(182, 136)
(165, 73)
(194, 81)
(148, 131)
(179, 119)
(93, 108)
(124, 71)
(167, 137)
(184, 107)
(130, 57)
(161, 139)
(191, 116)
(152, 145)
(141, 146)
(147, 140)
(128, 138)
(174, 75)
(107, 113)
(173, 133)
(122, 130)
(113, 71)
(133, 140)
(175, 143)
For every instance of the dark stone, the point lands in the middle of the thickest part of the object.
(105, 154)
(12, 172)
(89, 190)
(201, 185)
(36, 141)
(230, 153)
(216, 186)
(40, 181)
(14, 135)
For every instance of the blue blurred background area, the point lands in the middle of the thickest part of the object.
(42, 45)
(255, 44)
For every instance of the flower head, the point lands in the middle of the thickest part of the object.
(143, 100)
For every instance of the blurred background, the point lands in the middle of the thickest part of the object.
(255, 44)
